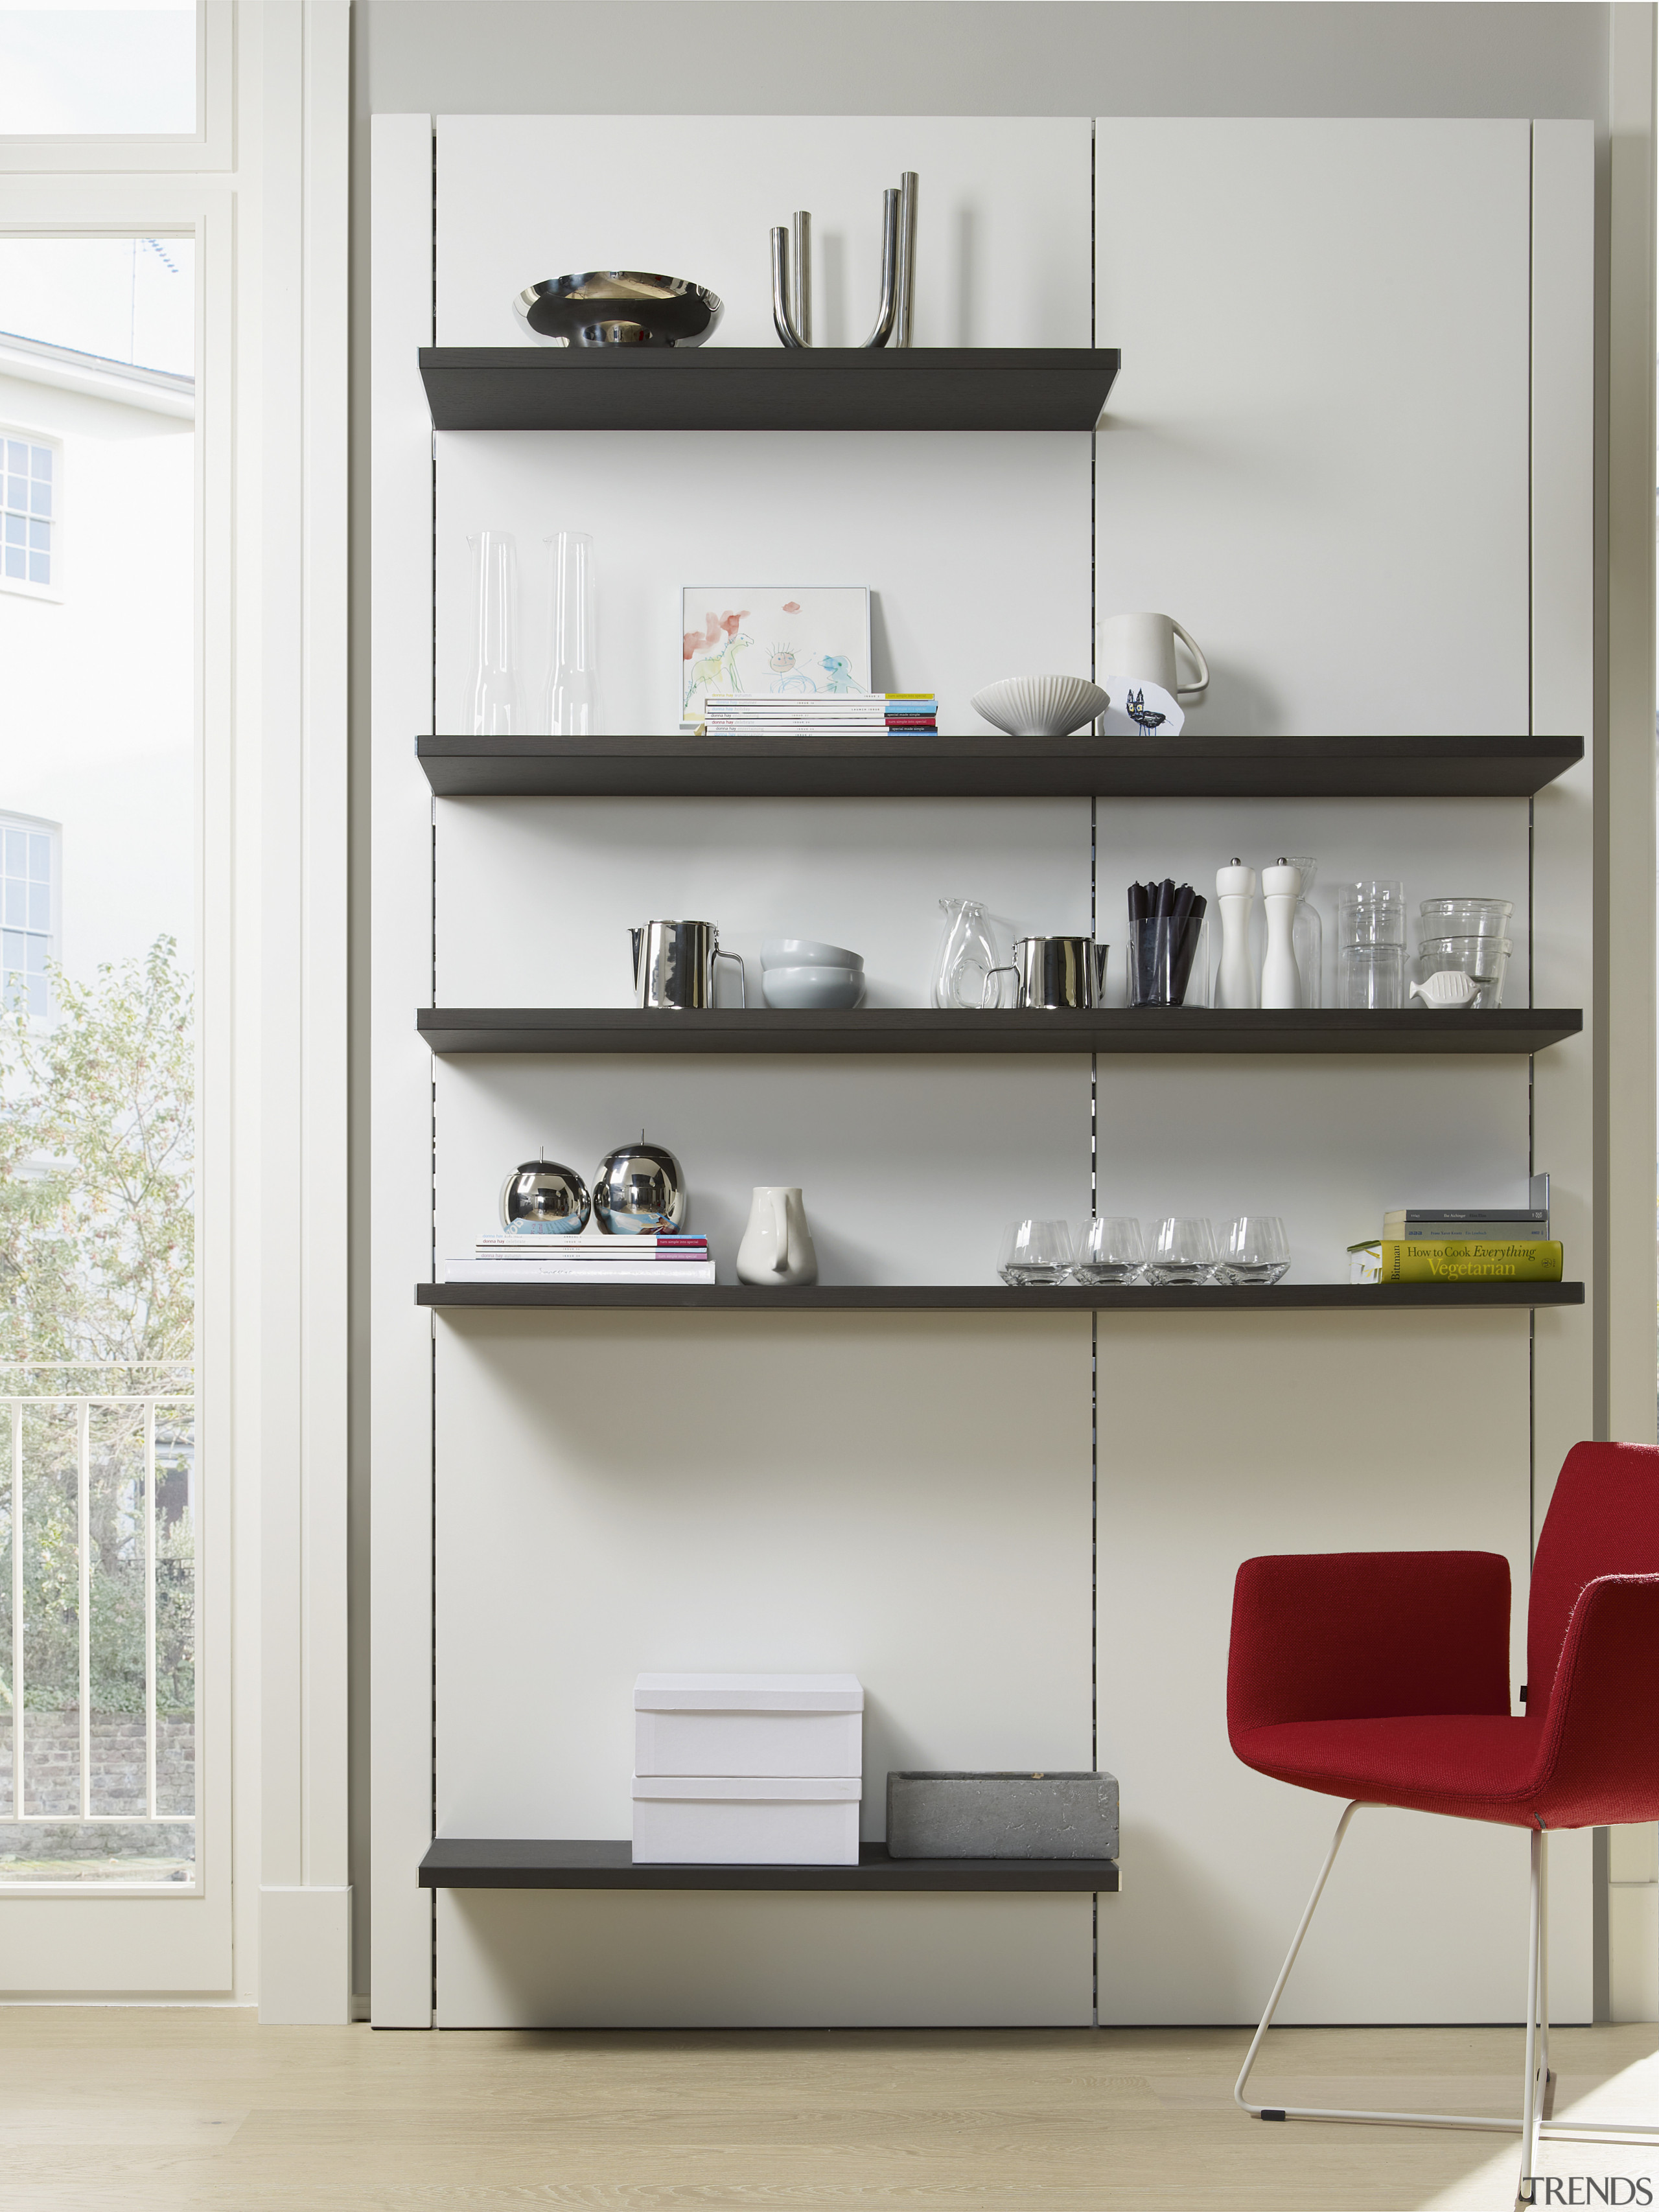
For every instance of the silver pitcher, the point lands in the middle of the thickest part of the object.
(674, 965)
(1051, 972)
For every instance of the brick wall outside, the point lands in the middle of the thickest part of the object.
(52, 1763)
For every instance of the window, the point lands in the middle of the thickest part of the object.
(67, 69)
(27, 879)
(28, 501)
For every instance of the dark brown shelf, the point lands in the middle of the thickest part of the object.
(988, 765)
(1108, 1029)
(995, 1297)
(460, 1863)
(766, 387)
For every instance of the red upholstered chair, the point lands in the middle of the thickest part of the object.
(1382, 1677)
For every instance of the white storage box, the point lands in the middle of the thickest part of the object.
(739, 1820)
(748, 1724)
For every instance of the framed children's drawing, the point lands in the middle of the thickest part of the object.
(777, 640)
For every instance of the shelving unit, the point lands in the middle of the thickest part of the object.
(988, 1297)
(464, 1863)
(988, 765)
(886, 1029)
(766, 387)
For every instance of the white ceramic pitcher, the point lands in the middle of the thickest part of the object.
(776, 1250)
(1141, 649)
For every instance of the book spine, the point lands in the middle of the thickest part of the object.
(1509, 1261)
(490, 1271)
(1466, 1232)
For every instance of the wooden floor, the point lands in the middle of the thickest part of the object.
(106, 2109)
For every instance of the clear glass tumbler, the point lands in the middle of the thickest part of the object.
(1110, 1250)
(1256, 1250)
(1370, 976)
(495, 710)
(570, 707)
(1167, 968)
(1183, 1252)
(1371, 913)
(1036, 1255)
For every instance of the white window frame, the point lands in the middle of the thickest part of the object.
(270, 582)
(21, 586)
(210, 146)
(35, 825)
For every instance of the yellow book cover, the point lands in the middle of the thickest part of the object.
(1525, 1259)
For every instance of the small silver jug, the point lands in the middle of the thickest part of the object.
(1051, 972)
(674, 965)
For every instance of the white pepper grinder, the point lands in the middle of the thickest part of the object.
(1234, 983)
(1281, 887)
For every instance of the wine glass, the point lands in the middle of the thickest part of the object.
(1110, 1250)
(1035, 1255)
(1257, 1250)
(1183, 1252)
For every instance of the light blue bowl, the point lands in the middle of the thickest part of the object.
(827, 989)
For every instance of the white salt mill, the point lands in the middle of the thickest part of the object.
(1281, 887)
(1234, 983)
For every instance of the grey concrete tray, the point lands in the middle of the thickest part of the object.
(1032, 1815)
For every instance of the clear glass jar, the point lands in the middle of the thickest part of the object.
(1370, 976)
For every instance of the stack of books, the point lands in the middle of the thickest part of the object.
(588, 1258)
(1461, 1244)
(819, 714)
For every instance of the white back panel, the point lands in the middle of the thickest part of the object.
(1002, 237)
(1316, 455)
(1317, 458)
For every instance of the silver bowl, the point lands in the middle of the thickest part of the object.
(618, 306)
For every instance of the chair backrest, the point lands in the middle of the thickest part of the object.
(1603, 1520)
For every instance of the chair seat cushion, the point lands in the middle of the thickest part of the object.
(1477, 1766)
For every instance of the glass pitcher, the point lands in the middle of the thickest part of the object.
(966, 957)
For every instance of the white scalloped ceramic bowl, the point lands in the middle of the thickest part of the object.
(1041, 706)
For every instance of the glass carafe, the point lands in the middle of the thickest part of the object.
(570, 706)
(496, 711)
(966, 957)
(1307, 932)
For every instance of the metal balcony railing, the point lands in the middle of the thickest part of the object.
(120, 1450)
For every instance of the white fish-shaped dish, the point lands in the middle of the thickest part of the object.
(1447, 987)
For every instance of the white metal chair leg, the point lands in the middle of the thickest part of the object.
(1537, 1978)
(1532, 2125)
(1332, 2112)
